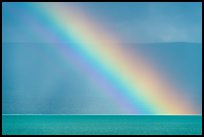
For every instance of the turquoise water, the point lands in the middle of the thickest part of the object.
(100, 124)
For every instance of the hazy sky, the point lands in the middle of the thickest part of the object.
(39, 76)
(152, 22)
(133, 22)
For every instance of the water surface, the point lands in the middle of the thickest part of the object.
(100, 124)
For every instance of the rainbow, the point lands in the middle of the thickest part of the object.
(133, 81)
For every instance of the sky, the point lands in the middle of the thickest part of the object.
(150, 22)
(84, 58)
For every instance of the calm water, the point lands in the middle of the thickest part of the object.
(100, 124)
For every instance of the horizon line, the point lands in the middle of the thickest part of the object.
(118, 114)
